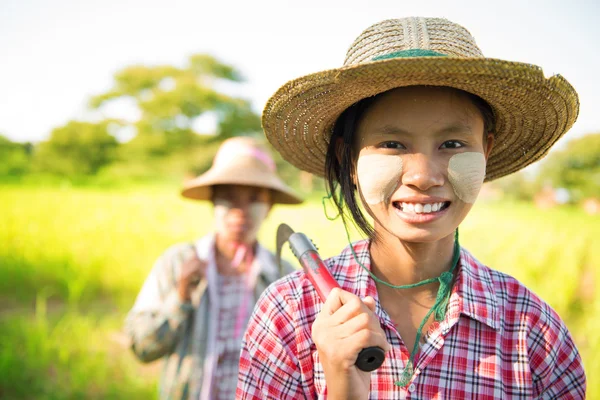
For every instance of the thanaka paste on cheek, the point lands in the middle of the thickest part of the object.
(378, 176)
(257, 213)
(466, 172)
(221, 209)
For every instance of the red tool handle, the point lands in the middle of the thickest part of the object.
(318, 274)
(368, 359)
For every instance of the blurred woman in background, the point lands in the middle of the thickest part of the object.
(194, 306)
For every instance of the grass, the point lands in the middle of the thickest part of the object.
(73, 260)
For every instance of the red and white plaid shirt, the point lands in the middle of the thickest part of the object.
(498, 341)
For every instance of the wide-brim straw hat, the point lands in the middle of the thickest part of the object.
(531, 111)
(241, 161)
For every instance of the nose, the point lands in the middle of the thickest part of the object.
(421, 172)
(241, 205)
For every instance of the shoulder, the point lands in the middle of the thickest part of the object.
(345, 267)
(168, 264)
(178, 253)
(296, 292)
(520, 308)
(531, 330)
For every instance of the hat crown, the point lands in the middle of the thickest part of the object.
(244, 151)
(414, 33)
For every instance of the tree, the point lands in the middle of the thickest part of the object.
(77, 148)
(576, 167)
(14, 157)
(171, 98)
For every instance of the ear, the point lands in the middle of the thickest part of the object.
(489, 144)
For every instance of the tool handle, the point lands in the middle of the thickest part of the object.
(370, 358)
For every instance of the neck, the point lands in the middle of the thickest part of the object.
(404, 263)
(225, 250)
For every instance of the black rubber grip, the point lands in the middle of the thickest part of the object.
(370, 358)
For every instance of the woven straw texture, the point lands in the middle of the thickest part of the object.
(241, 161)
(531, 112)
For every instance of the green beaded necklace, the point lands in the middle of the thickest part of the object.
(441, 300)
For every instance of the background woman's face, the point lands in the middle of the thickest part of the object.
(421, 161)
(240, 211)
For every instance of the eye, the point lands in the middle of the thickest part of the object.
(452, 144)
(392, 145)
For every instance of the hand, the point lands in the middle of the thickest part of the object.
(342, 329)
(192, 271)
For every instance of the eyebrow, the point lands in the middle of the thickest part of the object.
(395, 130)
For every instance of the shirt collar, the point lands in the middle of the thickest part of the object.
(473, 293)
(268, 269)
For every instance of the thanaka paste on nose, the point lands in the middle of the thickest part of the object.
(378, 176)
(466, 172)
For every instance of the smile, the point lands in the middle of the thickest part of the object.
(421, 208)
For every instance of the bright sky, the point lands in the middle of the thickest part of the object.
(56, 54)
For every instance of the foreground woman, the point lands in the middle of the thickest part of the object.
(412, 125)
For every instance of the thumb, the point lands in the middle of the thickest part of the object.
(370, 303)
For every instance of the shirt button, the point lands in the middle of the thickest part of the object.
(412, 387)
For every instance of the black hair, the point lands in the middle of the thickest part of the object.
(340, 161)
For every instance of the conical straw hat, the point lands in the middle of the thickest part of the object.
(241, 161)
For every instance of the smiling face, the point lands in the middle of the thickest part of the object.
(240, 211)
(421, 161)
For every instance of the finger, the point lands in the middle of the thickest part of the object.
(192, 277)
(193, 263)
(353, 325)
(333, 301)
(352, 307)
(350, 346)
(363, 320)
(370, 303)
(367, 338)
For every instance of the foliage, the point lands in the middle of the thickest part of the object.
(171, 98)
(86, 248)
(15, 157)
(576, 167)
(518, 186)
(77, 148)
(73, 356)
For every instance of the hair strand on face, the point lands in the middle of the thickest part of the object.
(340, 167)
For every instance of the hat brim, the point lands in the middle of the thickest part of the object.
(200, 188)
(532, 112)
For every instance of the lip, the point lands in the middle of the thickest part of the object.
(420, 199)
(240, 227)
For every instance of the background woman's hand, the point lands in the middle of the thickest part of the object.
(192, 271)
(342, 329)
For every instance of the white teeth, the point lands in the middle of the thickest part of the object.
(418, 208)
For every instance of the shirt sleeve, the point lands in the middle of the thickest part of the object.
(556, 365)
(155, 322)
(269, 366)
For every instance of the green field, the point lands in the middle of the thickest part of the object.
(72, 261)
